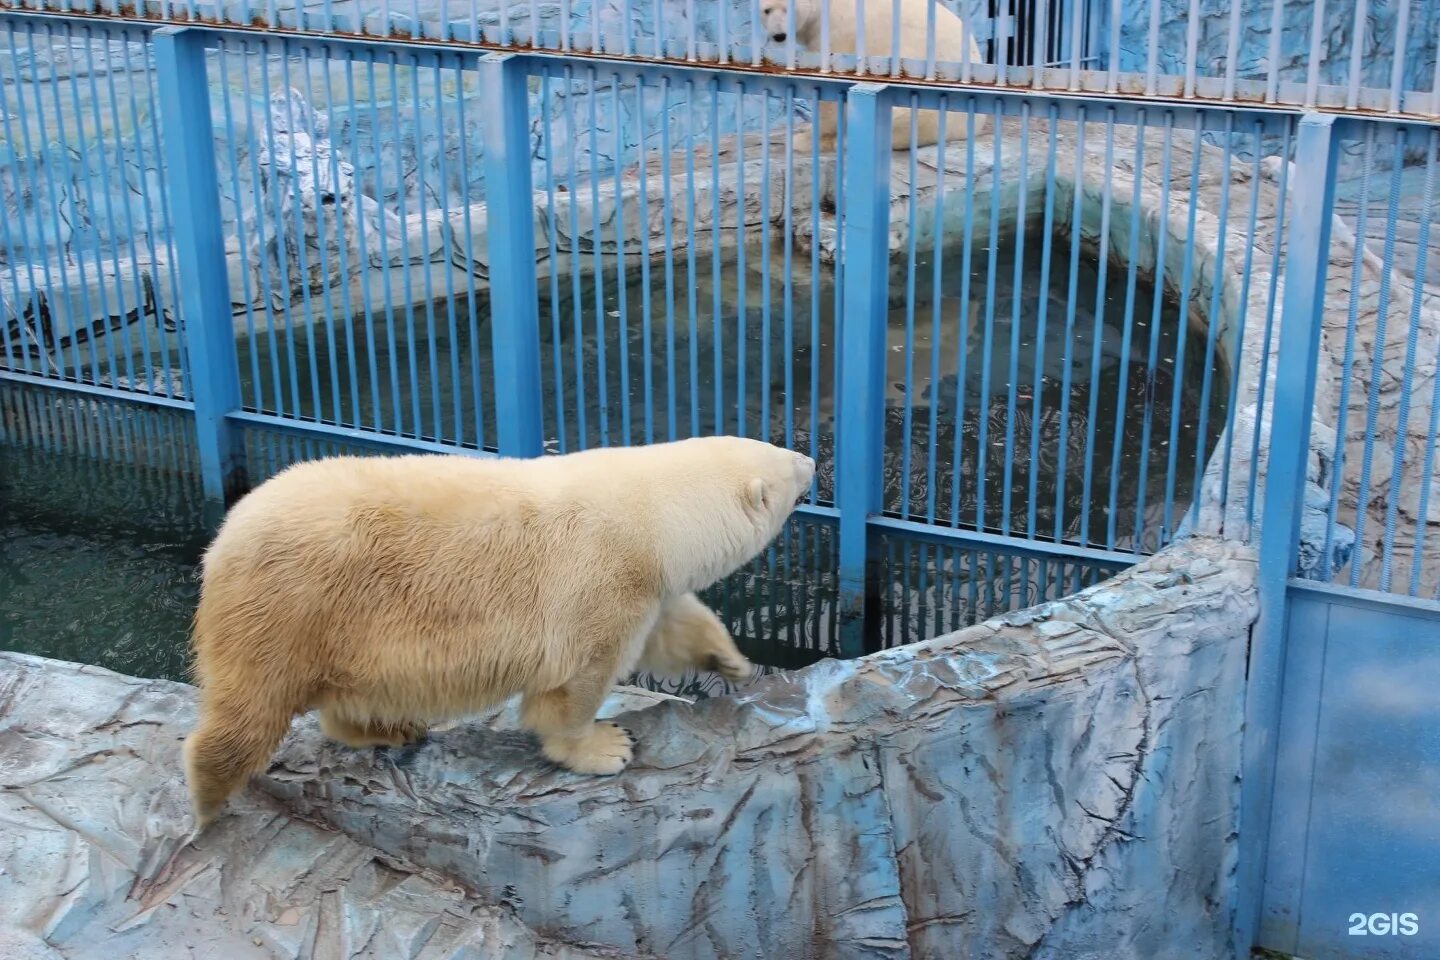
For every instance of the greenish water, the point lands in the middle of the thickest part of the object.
(641, 354)
(97, 562)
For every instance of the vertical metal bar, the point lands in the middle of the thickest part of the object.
(346, 276)
(405, 256)
(1380, 344)
(1041, 378)
(1192, 45)
(327, 298)
(200, 246)
(816, 356)
(622, 334)
(1112, 73)
(1251, 501)
(277, 211)
(741, 229)
(962, 340)
(1412, 364)
(257, 382)
(1152, 48)
(266, 285)
(292, 163)
(1232, 51)
(1182, 332)
(717, 345)
(1397, 63)
(1017, 284)
(646, 321)
(1098, 330)
(1357, 47)
(1272, 60)
(1347, 363)
(937, 321)
(557, 336)
(452, 322)
(787, 269)
(987, 361)
(862, 412)
(907, 427)
(602, 369)
(692, 296)
(1200, 464)
(667, 206)
(427, 283)
(1432, 432)
(931, 7)
(514, 292)
(1317, 33)
(1307, 256)
(576, 304)
(364, 262)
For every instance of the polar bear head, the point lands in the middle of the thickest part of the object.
(775, 19)
(717, 501)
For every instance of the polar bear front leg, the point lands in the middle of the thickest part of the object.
(688, 635)
(564, 719)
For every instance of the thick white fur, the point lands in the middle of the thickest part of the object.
(393, 594)
(951, 38)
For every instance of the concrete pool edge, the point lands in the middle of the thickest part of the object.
(1015, 788)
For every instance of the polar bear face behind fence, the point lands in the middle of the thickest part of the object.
(775, 20)
(745, 493)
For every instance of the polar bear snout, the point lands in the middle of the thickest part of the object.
(804, 472)
(779, 37)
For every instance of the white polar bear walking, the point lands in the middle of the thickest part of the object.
(951, 40)
(396, 593)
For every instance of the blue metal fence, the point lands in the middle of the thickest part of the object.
(1027, 335)
(1375, 55)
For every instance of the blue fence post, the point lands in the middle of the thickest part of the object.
(514, 290)
(1312, 189)
(860, 442)
(206, 318)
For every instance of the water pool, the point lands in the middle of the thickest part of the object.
(99, 561)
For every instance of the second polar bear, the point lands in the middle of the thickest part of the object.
(396, 593)
(951, 39)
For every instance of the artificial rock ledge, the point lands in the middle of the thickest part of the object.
(1061, 782)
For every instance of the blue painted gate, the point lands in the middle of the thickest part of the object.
(1355, 871)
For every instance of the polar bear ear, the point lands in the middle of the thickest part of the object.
(755, 494)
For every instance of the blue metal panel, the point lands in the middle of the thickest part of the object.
(514, 290)
(1307, 255)
(200, 246)
(1294, 771)
(861, 441)
(1360, 765)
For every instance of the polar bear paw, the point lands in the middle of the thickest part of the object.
(731, 665)
(605, 748)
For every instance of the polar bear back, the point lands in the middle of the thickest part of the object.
(951, 36)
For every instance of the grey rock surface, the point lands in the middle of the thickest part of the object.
(94, 861)
(1061, 782)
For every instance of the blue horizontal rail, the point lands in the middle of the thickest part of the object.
(1091, 46)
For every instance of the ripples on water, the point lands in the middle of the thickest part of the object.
(97, 562)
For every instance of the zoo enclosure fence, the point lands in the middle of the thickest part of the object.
(219, 271)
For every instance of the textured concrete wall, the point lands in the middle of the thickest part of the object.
(1058, 783)
(1337, 40)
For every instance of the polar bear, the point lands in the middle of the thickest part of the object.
(395, 593)
(951, 39)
